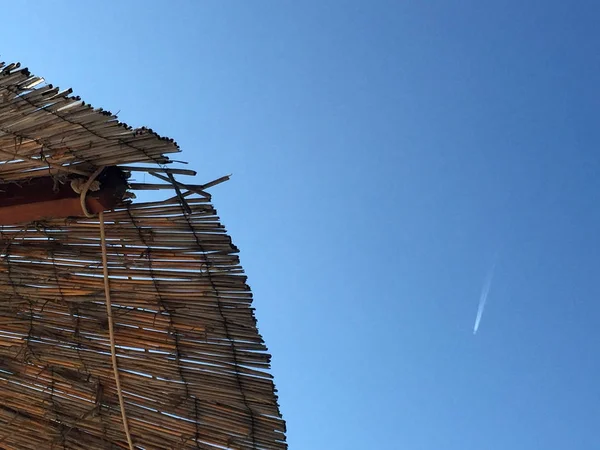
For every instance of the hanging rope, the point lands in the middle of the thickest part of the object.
(113, 352)
(111, 333)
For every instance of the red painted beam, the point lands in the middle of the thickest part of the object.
(41, 198)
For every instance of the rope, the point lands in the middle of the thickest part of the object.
(84, 191)
(111, 333)
(113, 352)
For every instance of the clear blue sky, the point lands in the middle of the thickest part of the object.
(382, 154)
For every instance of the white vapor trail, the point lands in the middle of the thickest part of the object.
(483, 298)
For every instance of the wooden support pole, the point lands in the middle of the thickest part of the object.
(45, 198)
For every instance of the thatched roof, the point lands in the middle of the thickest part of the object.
(192, 366)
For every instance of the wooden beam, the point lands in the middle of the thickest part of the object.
(53, 209)
(44, 198)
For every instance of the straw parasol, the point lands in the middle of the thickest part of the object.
(123, 324)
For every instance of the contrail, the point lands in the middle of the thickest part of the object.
(484, 294)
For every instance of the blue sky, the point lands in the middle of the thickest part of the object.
(382, 154)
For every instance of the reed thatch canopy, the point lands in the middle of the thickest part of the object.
(154, 287)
